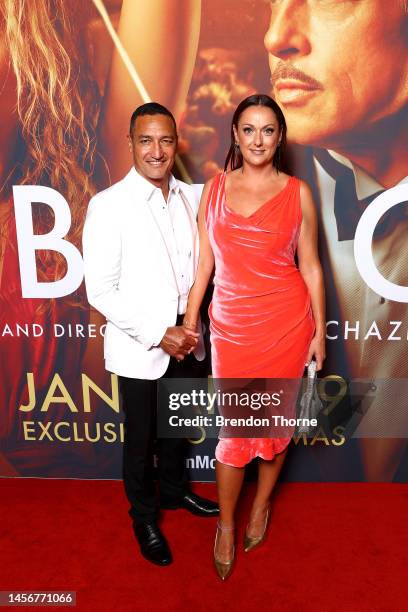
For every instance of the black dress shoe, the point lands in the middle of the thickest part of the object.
(193, 503)
(152, 542)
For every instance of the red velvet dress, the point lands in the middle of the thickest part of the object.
(261, 318)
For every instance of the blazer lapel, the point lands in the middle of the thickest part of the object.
(194, 234)
(167, 242)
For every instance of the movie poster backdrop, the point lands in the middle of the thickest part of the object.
(71, 73)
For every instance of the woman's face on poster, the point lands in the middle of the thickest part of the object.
(337, 66)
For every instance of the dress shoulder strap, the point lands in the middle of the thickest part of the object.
(296, 198)
(216, 190)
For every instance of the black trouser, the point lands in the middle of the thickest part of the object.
(139, 403)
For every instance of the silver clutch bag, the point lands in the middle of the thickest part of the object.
(310, 403)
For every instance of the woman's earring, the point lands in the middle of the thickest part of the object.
(236, 145)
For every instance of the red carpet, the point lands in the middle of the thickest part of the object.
(330, 547)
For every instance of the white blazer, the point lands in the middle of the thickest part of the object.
(129, 275)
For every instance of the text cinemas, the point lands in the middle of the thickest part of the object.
(356, 330)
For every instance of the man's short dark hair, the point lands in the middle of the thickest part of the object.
(150, 108)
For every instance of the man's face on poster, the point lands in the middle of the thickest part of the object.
(338, 67)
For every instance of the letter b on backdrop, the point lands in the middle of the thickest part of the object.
(26, 196)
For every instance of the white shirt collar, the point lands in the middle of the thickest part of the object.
(147, 189)
(366, 185)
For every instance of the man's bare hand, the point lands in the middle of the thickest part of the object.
(178, 341)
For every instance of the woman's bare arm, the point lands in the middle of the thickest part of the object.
(205, 266)
(311, 270)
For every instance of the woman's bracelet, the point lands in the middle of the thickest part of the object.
(189, 324)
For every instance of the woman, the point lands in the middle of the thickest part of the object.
(267, 314)
(65, 103)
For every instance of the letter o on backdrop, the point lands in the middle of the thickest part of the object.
(363, 239)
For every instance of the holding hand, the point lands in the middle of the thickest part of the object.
(178, 341)
(318, 351)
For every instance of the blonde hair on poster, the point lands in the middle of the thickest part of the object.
(57, 103)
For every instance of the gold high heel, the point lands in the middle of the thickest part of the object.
(223, 568)
(251, 542)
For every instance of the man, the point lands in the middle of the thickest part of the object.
(339, 69)
(140, 253)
